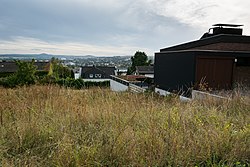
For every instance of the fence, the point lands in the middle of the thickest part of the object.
(124, 85)
(136, 89)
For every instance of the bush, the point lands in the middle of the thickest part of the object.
(58, 70)
(80, 84)
(41, 74)
(9, 82)
(73, 83)
(5, 74)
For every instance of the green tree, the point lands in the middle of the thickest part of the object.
(57, 70)
(25, 74)
(139, 59)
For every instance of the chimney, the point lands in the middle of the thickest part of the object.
(232, 29)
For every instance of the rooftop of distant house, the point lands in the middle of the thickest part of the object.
(145, 69)
(11, 66)
(132, 78)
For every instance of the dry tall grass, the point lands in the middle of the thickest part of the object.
(52, 126)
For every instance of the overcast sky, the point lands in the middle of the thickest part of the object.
(111, 27)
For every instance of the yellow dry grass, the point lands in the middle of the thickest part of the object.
(53, 126)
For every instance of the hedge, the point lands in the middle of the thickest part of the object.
(5, 74)
(80, 84)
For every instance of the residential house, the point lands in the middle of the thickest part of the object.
(219, 60)
(147, 71)
(97, 73)
(122, 72)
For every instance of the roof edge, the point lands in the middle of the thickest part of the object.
(209, 40)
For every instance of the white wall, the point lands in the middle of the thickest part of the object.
(165, 93)
(78, 72)
(96, 80)
(199, 95)
(162, 92)
(77, 75)
(149, 75)
(118, 87)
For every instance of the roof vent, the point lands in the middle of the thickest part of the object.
(232, 29)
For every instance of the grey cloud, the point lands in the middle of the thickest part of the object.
(43, 20)
(110, 22)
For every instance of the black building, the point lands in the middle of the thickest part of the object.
(97, 72)
(219, 60)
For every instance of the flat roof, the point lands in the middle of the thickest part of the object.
(220, 38)
(228, 25)
(210, 52)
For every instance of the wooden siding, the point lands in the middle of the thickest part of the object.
(216, 72)
(242, 76)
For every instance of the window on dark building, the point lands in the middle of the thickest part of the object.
(98, 75)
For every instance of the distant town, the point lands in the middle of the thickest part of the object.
(120, 62)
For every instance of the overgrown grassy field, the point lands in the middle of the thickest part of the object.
(53, 126)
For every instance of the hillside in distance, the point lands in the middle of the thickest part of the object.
(42, 56)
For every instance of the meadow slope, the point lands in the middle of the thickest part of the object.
(53, 126)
